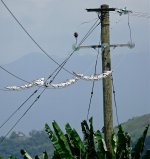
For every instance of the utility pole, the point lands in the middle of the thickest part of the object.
(106, 66)
(103, 13)
(107, 83)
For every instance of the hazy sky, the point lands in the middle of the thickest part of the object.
(52, 24)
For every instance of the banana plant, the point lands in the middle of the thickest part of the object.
(71, 146)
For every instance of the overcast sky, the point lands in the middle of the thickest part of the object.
(52, 24)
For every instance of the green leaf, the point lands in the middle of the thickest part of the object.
(77, 146)
(25, 154)
(59, 141)
(62, 141)
(147, 155)
(123, 144)
(139, 147)
(100, 144)
(45, 155)
(53, 138)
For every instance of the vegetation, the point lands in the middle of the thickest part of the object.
(35, 143)
(136, 125)
(69, 145)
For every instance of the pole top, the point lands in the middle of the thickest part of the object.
(105, 6)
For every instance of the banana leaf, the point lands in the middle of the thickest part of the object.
(139, 147)
(89, 139)
(123, 145)
(100, 145)
(147, 155)
(59, 141)
(75, 141)
(25, 154)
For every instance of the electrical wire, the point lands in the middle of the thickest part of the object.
(93, 85)
(141, 14)
(37, 98)
(17, 77)
(59, 68)
(90, 31)
(56, 72)
(29, 35)
(94, 26)
(130, 31)
(8, 119)
(115, 102)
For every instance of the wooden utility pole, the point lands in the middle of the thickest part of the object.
(103, 13)
(107, 83)
(106, 66)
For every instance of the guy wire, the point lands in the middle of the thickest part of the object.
(93, 84)
(115, 102)
(130, 31)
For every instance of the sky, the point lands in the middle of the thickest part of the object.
(52, 24)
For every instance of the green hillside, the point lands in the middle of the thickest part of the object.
(35, 143)
(136, 126)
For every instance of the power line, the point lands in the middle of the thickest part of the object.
(13, 75)
(8, 119)
(94, 26)
(130, 31)
(37, 98)
(115, 102)
(89, 32)
(93, 84)
(141, 14)
(33, 40)
(56, 71)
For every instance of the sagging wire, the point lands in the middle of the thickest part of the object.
(59, 68)
(94, 26)
(8, 119)
(29, 35)
(56, 72)
(93, 85)
(17, 77)
(86, 22)
(37, 98)
(130, 31)
(115, 102)
(141, 14)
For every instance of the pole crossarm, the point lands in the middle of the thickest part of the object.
(129, 45)
(100, 9)
(120, 11)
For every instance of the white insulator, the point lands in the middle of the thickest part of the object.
(62, 85)
(94, 77)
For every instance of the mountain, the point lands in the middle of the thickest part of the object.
(37, 141)
(136, 126)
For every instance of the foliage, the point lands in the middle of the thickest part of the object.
(136, 125)
(35, 143)
(70, 146)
